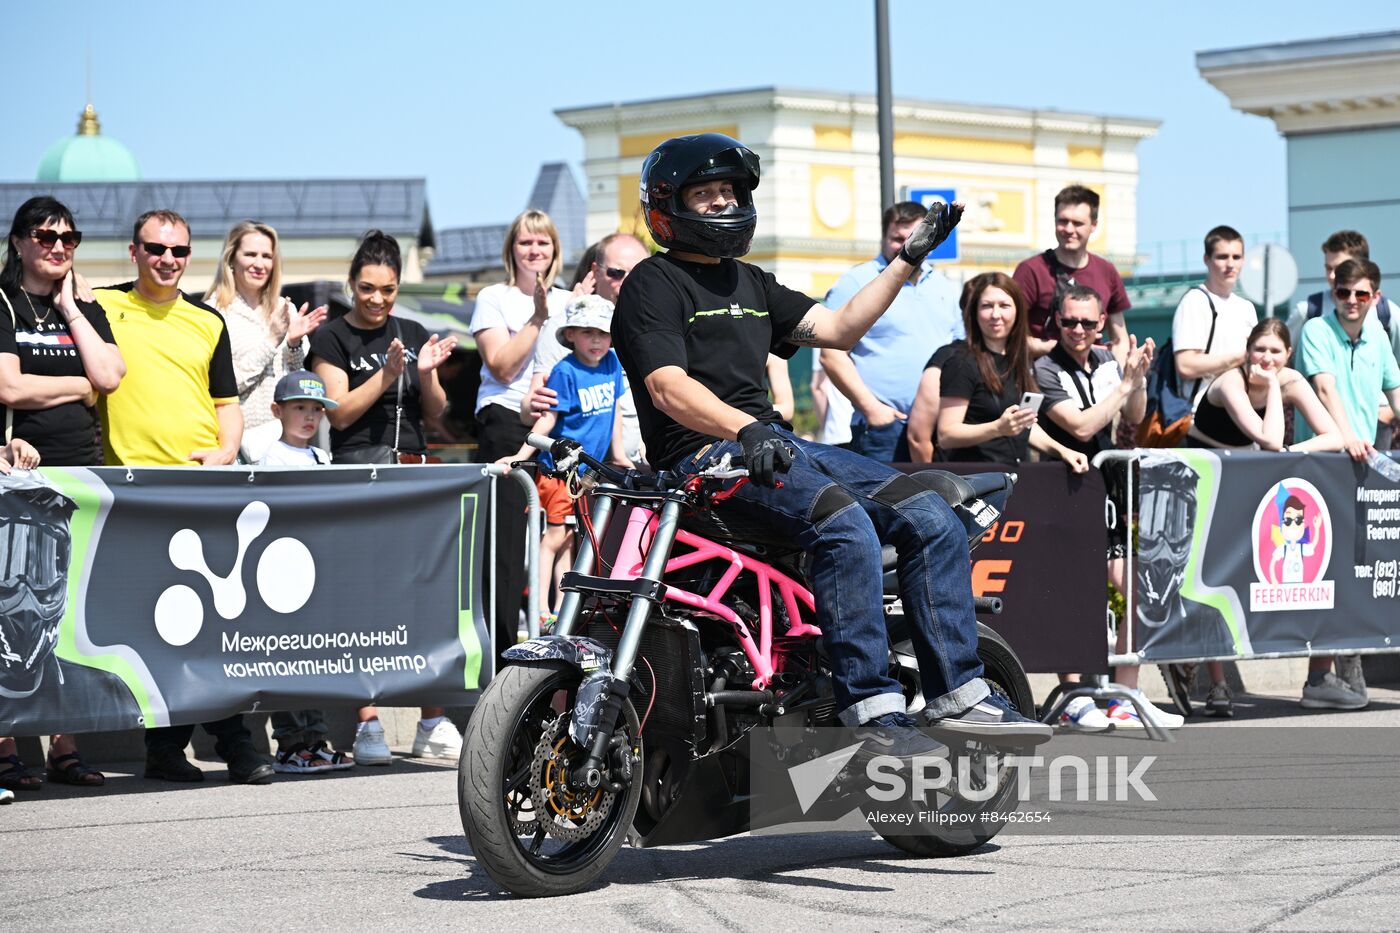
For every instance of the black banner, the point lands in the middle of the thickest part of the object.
(1250, 554)
(151, 597)
(1047, 561)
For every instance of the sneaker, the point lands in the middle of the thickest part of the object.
(1083, 715)
(898, 735)
(1332, 693)
(1124, 715)
(442, 741)
(1220, 701)
(335, 761)
(298, 759)
(246, 765)
(171, 765)
(6, 795)
(994, 718)
(370, 747)
(1351, 673)
(1179, 678)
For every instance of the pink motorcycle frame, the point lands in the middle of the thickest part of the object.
(631, 555)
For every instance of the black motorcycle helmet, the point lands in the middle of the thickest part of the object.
(688, 160)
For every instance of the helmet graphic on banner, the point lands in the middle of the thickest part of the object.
(35, 546)
(1166, 520)
(690, 160)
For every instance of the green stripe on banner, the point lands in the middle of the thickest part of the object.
(466, 623)
(88, 496)
(1207, 467)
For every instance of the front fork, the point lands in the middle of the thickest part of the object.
(589, 772)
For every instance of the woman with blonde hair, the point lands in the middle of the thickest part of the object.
(506, 324)
(267, 331)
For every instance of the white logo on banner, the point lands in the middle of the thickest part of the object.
(286, 575)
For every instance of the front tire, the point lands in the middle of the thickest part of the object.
(498, 783)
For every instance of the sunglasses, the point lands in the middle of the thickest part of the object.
(1290, 520)
(1074, 323)
(617, 275)
(158, 249)
(1360, 293)
(47, 238)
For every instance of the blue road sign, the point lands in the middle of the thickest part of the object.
(947, 251)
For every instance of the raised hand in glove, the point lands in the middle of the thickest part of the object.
(934, 229)
(766, 453)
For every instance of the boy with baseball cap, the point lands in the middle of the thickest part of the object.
(299, 402)
(589, 384)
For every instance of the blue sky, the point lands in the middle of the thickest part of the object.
(464, 93)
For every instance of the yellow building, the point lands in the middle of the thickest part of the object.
(819, 199)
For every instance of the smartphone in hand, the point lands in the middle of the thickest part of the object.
(1030, 401)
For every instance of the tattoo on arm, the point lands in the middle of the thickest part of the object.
(803, 334)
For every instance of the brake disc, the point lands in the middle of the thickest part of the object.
(565, 815)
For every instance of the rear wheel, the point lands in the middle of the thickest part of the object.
(533, 834)
(953, 825)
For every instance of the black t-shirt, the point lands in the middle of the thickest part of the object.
(361, 354)
(962, 379)
(942, 355)
(718, 322)
(64, 435)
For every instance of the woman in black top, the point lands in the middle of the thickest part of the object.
(979, 415)
(384, 390)
(381, 370)
(57, 355)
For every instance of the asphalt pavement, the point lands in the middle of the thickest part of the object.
(377, 848)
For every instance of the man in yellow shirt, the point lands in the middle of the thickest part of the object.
(181, 403)
(178, 405)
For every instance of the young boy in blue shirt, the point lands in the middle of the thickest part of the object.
(589, 384)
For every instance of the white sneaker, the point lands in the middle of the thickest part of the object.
(1332, 693)
(1082, 714)
(370, 747)
(1124, 715)
(443, 741)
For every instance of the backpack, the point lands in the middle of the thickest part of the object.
(1382, 309)
(1169, 407)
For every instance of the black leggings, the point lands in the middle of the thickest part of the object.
(499, 434)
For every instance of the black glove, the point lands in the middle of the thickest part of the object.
(936, 225)
(765, 452)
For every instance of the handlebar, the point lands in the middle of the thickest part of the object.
(567, 454)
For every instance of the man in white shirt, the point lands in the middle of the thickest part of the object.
(1212, 324)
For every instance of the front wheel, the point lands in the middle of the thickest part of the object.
(532, 833)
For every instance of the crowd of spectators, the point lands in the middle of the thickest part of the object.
(1040, 363)
(1043, 364)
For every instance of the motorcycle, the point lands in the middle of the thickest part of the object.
(675, 641)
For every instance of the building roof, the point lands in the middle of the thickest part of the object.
(1302, 50)
(88, 156)
(467, 250)
(295, 207)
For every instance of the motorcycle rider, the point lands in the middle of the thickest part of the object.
(694, 326)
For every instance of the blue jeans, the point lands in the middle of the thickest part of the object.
(839, 506)
(885, 444)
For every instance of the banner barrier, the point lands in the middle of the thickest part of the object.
(1251, 554)
(151, 597)
(1047, 561)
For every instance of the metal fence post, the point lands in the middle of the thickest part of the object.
(533, 514)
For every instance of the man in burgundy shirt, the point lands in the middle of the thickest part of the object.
(1048, 275)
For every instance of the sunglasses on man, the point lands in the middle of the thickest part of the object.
(1075, 323)
(1360, 293)
(617, 275)
(158, 249)
(47, 238)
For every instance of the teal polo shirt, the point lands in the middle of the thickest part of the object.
(1363, 368)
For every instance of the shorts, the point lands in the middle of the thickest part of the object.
(554, 499)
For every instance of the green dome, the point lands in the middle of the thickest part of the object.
(88, 156)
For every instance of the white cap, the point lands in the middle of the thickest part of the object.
(586, 311)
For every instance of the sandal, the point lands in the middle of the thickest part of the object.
(74, 772)
(17, 776)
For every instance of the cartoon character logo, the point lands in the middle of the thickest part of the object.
(1292, 547)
